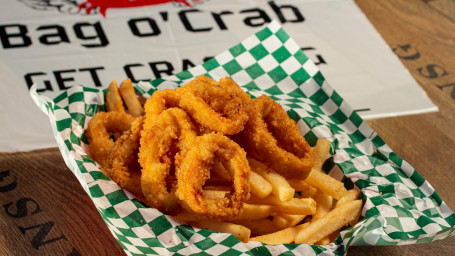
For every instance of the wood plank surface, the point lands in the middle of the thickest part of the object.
(45, 211)
(425, 41)
(446, 7)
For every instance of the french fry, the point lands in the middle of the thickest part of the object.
(324, 205)
(303, 187)
(350, 195)
(283, 220)
(113, 99)
(242, 233)
(285, 236)
(280, 186)
(302, 206)
(332, 221)
(326, 184)
(320, 152)
(259, 186)
(258, 227)
(254, 212)
(269, 200)
(323, 241)
(129, 97)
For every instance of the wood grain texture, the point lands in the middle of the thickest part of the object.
(54, 199)
(446, 7)
(52, 194)
(426, 141)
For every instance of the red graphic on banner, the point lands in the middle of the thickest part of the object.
(103, 5)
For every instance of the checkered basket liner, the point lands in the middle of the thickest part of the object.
(400, 206)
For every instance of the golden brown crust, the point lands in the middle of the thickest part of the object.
(275, 139)
(163, 141)
(99, 131)
(194, 171)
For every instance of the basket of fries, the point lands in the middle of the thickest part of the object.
(250, 153)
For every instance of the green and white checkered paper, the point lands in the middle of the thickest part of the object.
(400, 207)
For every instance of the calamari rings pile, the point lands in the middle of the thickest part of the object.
(168, 153)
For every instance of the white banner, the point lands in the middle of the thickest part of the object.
(60, 43)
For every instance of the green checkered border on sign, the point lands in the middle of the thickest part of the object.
(401, 207)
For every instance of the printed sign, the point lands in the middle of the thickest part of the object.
(61, 43)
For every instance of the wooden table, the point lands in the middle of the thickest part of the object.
(46, 212)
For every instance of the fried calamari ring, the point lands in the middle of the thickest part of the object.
(99, 129)
(160, 101)
(234, 89)
(219, 108)
(194, 171)
(275, 139)
(163, 143)
(122, 163)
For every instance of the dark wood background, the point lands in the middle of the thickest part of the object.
(45, 211)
